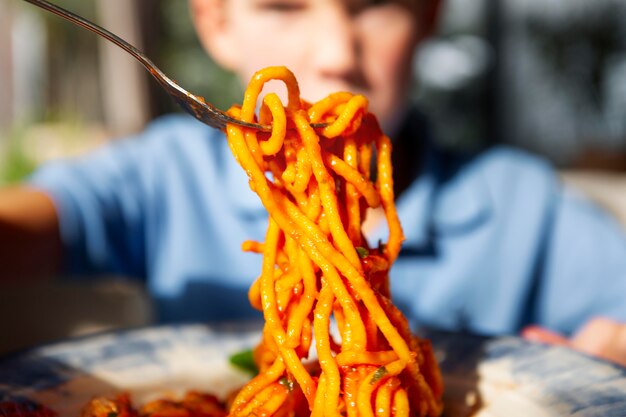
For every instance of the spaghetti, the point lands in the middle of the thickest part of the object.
(317, 265)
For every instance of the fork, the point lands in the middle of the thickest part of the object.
(191, 103)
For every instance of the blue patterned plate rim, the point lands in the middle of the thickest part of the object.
(484, 376)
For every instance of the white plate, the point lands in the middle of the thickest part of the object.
(484, 377)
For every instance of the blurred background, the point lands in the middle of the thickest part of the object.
(546, 76)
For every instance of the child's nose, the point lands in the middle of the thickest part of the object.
(336, 45)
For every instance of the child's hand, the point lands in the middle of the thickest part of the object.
(599, 337)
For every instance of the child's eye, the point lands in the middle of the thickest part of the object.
(282, 6)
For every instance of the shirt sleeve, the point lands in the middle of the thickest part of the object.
(585, 267)
(100, 202)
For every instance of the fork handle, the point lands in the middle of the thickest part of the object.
(66, 14)
(218, 119)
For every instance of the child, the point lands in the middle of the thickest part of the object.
(493, 242)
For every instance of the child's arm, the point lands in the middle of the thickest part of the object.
(30, 245)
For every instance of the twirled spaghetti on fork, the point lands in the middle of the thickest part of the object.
(316, 186)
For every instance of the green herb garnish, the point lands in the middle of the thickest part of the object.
(363, 252)
(244, 360)
(287, 383)
(378, 374)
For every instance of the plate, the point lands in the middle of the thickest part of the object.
(484, 377)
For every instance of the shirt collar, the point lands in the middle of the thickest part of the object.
(450, 195)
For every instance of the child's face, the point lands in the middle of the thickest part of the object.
(330, 45)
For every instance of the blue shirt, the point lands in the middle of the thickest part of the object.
(493, 242)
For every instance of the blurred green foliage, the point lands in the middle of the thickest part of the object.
(15, 164)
